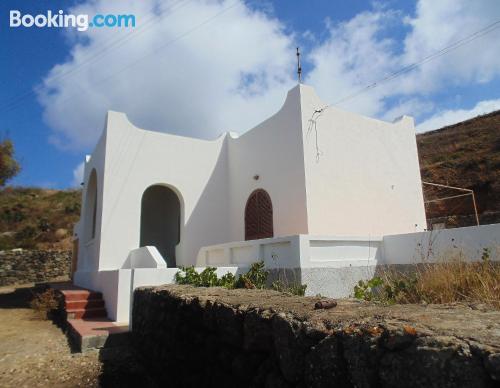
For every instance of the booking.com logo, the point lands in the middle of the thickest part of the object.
(60, 19)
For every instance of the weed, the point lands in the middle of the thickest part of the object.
(446, 281)
(293, 288)
(45, 303)
(365, 289)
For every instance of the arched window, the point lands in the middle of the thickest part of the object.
(160, 221)
(91, 207)
(259, 216)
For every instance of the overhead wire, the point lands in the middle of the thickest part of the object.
(443, 51)
(104, 50)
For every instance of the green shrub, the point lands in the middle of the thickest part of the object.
(208, 278)
(27, 232)
(365, 289)
(228, 281)
(256, 277)
(187, 275)
(43, 224)
(293, 288)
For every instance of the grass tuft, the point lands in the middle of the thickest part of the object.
(447, 281)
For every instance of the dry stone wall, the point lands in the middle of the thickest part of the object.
(194, 337)
(19, 266)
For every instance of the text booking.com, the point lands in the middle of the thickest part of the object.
(60, 19)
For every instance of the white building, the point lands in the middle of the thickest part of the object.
(304, 189)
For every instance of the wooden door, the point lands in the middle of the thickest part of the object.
(259, 216)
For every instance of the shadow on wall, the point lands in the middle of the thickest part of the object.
(209, 222)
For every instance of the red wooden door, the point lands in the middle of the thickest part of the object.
(259, 216)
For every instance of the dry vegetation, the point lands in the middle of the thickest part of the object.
(466, 155)
(37, 218)
(44, 303)
(450, 279)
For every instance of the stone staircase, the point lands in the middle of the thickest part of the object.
(81, 304)
(88, 326)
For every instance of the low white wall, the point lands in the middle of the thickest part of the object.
(300, 251)
(330, 266)
(438, 244)
(113, 285)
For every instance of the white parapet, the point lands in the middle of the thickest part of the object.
(299, 251)
(328, 265)
(469, 243)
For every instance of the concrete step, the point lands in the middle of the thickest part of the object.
(99, 312)
(70, 295)
(97, 333)
(87, 322)
(72, 305)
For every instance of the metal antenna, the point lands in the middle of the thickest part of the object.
(299, 68)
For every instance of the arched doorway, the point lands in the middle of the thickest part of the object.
(259, 216)
(90, 207)
(160, 221)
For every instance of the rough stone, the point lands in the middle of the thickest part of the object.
(19, 266)
(261, 338)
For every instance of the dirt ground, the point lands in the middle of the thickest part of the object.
(36, 352)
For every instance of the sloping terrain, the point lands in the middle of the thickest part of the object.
(38, 218)
(466, 155)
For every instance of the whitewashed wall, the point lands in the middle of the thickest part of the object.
(136, 159)
(443, 244)
(366, 180)
(89, 249)
(273, 151)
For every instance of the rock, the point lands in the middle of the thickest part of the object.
(259, 338)
(493, 366)
(25, 266)
(433, 362)
(325, 364)
(257, 331)
(61, 233)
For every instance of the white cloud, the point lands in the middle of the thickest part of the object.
(229, 74)
(352, 57)
(357, 53)
(448, 117)
(234, 71)
(438, 24)
(78, 175)
(412, 106)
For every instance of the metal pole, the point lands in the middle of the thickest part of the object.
(299, 68)
(446, 186)
(475, 207)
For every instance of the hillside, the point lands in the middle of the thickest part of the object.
(467, 155)
(37, 218)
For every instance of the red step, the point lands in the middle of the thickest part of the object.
(99, 312)
(81, 295)
(80, 302)
(72, 305)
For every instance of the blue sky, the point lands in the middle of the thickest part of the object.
(241, 61)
